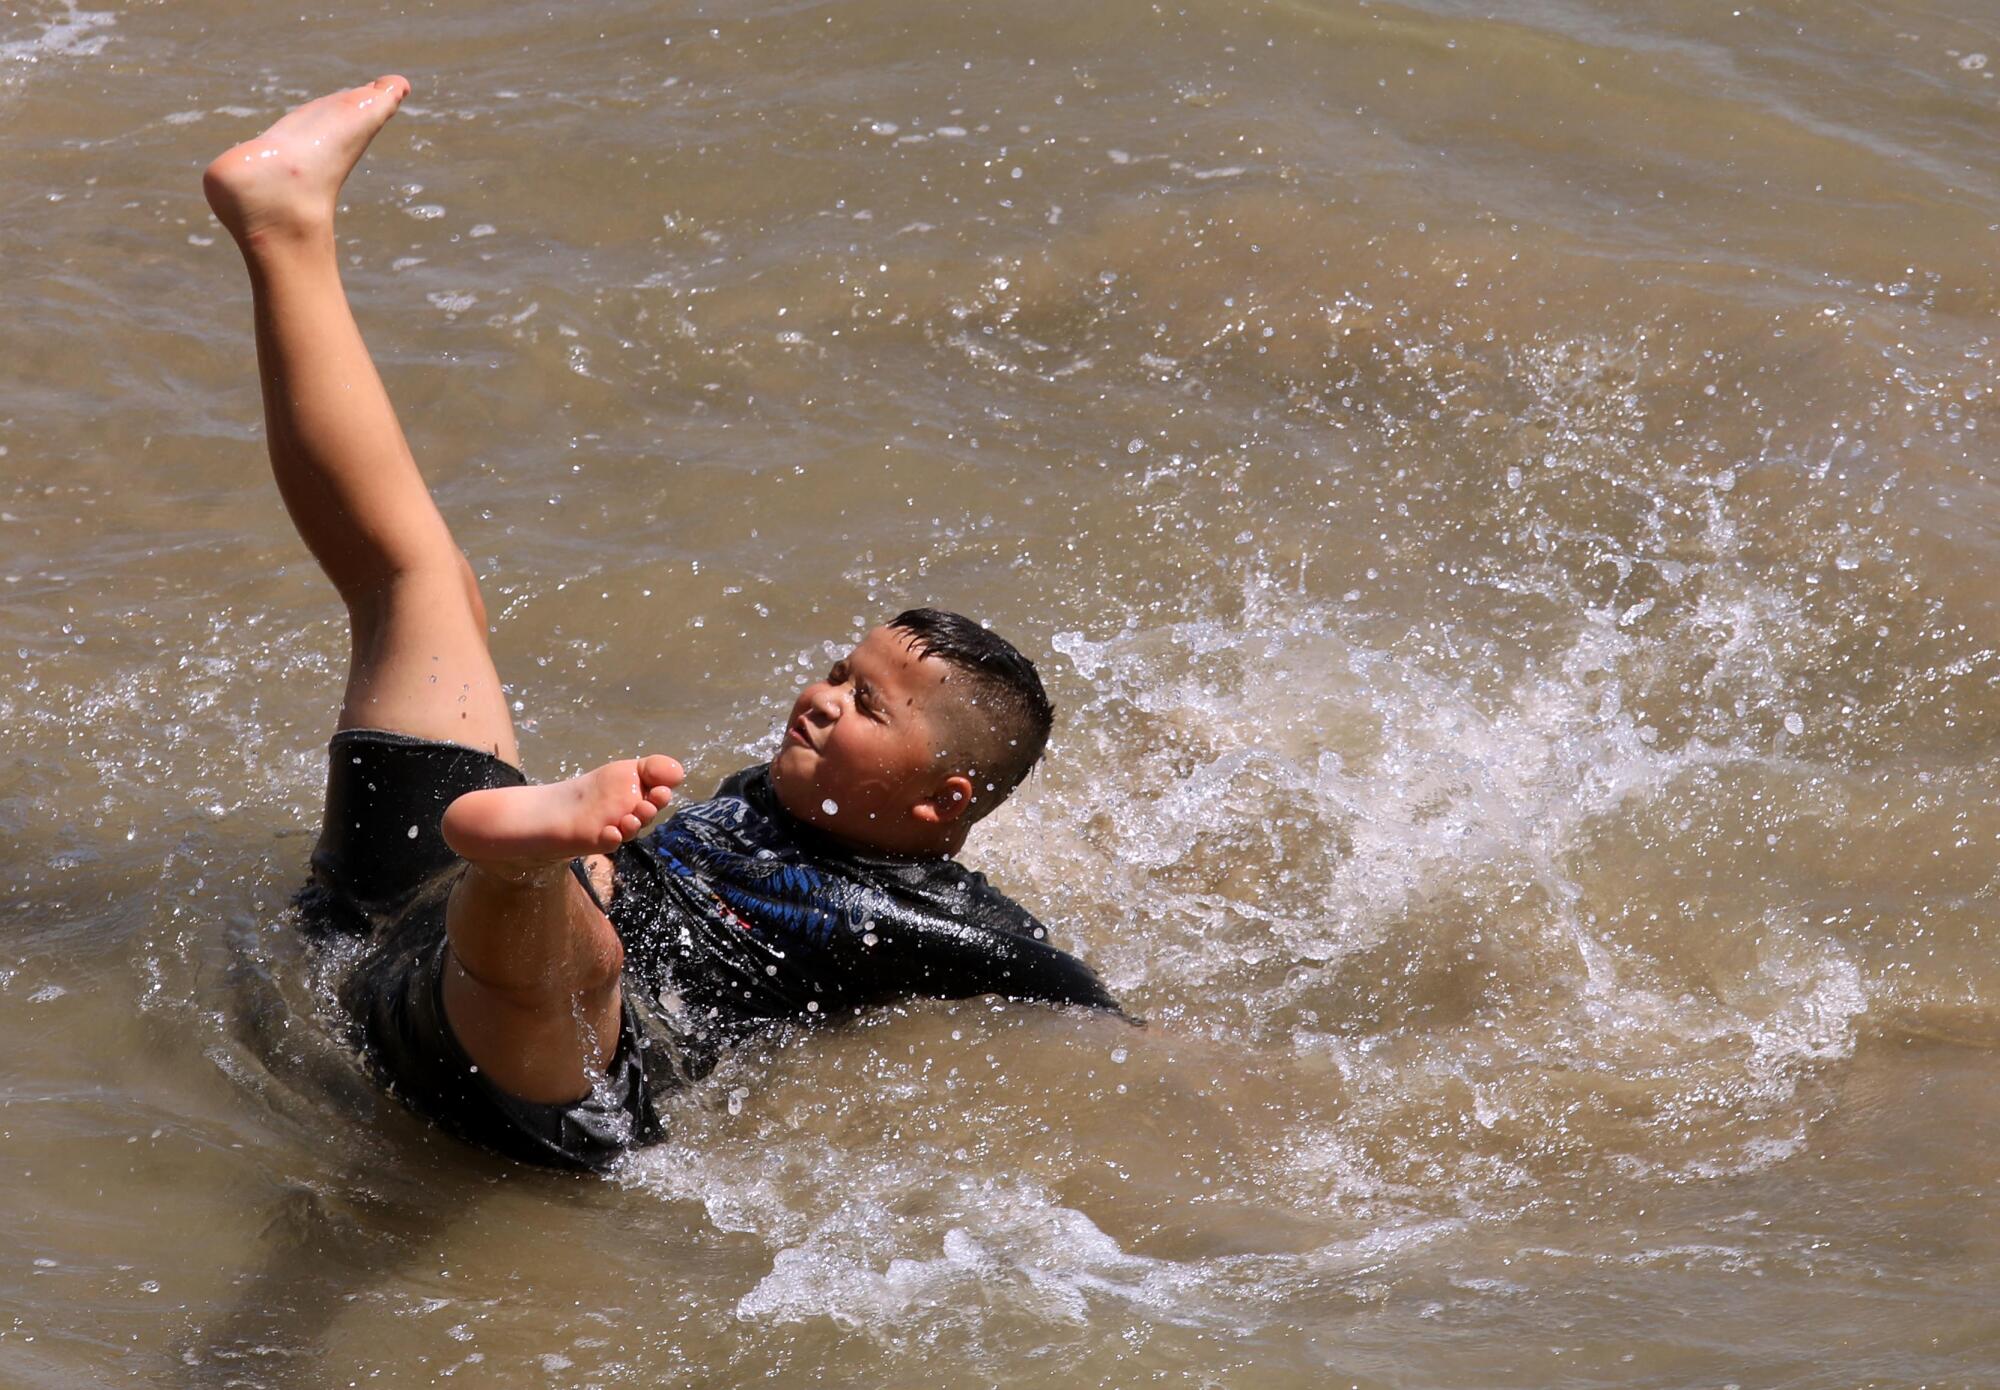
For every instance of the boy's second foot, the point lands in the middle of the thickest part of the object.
(514, 830)
(286, 180)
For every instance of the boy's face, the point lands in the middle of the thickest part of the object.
(860, 757)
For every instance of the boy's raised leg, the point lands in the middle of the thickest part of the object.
(532, 991)
(419, 662)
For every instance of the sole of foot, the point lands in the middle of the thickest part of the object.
(287, 180)
(515, 828)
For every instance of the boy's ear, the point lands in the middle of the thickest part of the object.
(949, 803)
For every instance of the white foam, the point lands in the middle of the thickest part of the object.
(896, 1238)
(74, 33)
(1015, 1247)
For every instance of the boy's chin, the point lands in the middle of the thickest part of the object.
(790, 766)
(792, 780)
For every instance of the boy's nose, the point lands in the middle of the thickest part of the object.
(826, 703)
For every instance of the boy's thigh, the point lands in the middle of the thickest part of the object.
(420, 666)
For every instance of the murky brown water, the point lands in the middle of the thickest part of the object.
(1509, 509)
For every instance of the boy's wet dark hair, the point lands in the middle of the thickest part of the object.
(1001, 720)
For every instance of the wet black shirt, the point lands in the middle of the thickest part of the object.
(733, 913)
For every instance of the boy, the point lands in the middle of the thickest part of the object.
(534, 971)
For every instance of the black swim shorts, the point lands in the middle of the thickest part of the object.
(382, 872)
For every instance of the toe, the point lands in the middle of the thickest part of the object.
(382, 96)
(658, 769)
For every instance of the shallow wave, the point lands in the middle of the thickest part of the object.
(66, 32)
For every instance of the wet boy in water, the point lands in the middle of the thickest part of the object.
(537, 966)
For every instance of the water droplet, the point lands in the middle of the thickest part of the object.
(1794, 724)
(1118, 1054)
(412, 832)
(830, 806)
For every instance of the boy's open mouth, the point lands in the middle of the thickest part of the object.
(795, 732)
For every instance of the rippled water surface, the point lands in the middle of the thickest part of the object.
(1505, 503)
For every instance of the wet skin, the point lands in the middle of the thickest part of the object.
(863, 758)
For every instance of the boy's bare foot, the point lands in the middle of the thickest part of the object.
(286, 181)
(517, 830)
